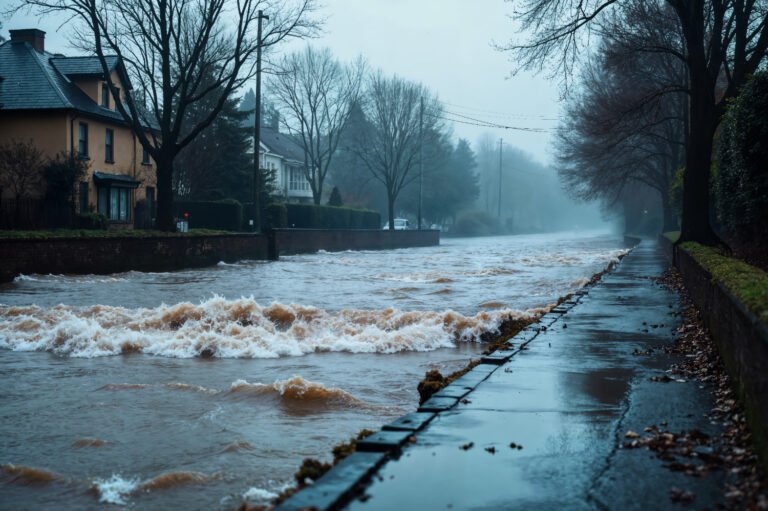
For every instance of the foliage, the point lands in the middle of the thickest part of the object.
(454, 189)
(270, 116)
(348, 171)
(91, 221)
(747, 283)
(225, 214)
(311, 216)
(62, 174)
(476, 223)
(335, 198)
(276, 216)
(741, 183)
(219, 165)
(21, 165)
(672, 236)
(676, 191)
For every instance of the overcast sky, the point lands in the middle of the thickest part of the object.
(445, 44)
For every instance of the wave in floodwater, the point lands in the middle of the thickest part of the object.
(297, 389)
(117, 489)
(21, 474)
(294, 389)
(240, 328)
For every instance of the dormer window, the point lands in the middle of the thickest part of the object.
(104, 95)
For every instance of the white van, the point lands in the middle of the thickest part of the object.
(401, 224)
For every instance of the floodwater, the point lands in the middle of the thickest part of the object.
(204, 388)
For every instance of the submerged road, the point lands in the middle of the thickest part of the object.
(543, 427)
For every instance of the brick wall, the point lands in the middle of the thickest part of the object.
(114, 255)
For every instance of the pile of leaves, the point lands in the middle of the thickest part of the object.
(693, 452)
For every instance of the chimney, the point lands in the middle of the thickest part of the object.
(32, 36)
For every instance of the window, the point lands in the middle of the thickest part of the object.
(144, 156)
(151, 200)
(117, 95)
(83, 197)
(104, 95)
(109, 146)
(115, 203)
(297, 180)
(82, 147)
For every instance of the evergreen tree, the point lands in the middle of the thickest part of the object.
(335, 198)
(219, 164)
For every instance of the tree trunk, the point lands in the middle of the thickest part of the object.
(165, 216)
(391, 211)
(698, 160)
(317, 197)
(670, 219)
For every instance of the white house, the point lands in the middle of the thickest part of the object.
(280, 153)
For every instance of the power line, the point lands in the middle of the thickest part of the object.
(492, 124)
(486, 124)
(496, 113)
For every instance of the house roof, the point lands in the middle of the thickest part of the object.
(35, 80)
(282, 144)
(83, 66)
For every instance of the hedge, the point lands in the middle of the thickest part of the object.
(311, 216)
(741, 183)
(276, 216)
(226, 215)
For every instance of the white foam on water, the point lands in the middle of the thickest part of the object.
(116, 489)
(240, 328)
(259, 494)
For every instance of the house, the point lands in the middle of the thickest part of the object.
(63, 104)
(284, 156)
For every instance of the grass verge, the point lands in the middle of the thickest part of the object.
(747, 283)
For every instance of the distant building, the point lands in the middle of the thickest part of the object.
(63, 104)
(283, 155)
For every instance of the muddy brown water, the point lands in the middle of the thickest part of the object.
(203, 388)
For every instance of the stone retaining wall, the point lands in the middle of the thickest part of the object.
(114, 255)
(166, 253)
(742, 340)
(294, 241)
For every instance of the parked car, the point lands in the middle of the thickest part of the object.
(401, 224)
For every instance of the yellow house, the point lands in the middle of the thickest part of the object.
(63, 104)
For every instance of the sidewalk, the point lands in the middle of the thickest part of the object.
(542, 427)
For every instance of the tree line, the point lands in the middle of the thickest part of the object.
(647, 104)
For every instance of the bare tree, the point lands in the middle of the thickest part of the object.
(624, 129)
(21, 167)
(390, 147)
(169, 48)
(315, 93)
(724, 41)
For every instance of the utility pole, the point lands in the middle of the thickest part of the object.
(421, 153)
(498, 213)
(257, 177)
